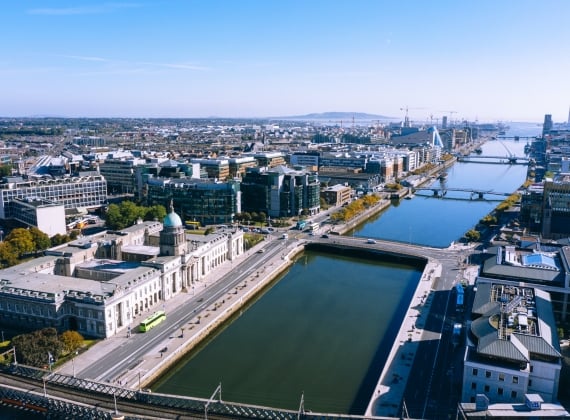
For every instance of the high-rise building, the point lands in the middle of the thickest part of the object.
(547, 126)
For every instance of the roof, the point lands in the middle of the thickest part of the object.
(172, 220)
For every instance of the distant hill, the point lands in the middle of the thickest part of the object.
(338, 116)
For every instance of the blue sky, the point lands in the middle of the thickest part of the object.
(487, 59)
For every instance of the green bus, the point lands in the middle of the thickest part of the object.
(152, 321)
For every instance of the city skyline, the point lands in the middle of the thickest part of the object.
(250, 59)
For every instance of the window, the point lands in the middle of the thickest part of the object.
(515, 379)
(531, 368)
(473, 385)
(513, 394)
(530, 382)
(487, 388)
(475, 372)
(487, 374)
(501, 377)
(500, 391)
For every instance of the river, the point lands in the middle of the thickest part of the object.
(324, 329)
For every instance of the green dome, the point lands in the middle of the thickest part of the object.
(172, 220)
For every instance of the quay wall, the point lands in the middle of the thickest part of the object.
(223, 309)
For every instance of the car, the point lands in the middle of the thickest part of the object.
(261, 251)
(370, 241)
(325, 236)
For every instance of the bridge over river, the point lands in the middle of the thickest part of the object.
(63, 393)
(440, 191)
(501, 160)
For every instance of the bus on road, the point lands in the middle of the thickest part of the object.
(152, 321)
(313, 227)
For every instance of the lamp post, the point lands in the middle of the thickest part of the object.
(73, 363)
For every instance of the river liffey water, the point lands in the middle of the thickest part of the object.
(325, 328)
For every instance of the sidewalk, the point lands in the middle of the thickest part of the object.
(390, 388)
(151, 364)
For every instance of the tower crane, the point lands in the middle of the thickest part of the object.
(407, 122)
(450, 115)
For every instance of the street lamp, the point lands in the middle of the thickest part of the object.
(73, 363)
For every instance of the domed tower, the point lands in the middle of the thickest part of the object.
(172, 236)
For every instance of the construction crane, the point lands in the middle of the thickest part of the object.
(450, 115)
(406, 118)
(407, 122)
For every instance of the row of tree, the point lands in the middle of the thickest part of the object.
(22, 242)
(355, 208)
(125, 214)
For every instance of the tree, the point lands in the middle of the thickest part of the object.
(472, 235)
(71, 341)
(8, 254)
(59, 239)
(34, 348)
(114, 218)
(5, 170)
(41, 240)
(156, 212)
(22, 240)
(127, 213)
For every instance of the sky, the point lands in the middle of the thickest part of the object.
(485, 60)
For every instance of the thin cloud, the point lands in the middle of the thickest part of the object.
(82, 10)
(123, 63)
(180, 66)
(85, 58)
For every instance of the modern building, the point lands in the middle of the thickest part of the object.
(88, 190)
(105, 284)
(270, 159)
(120, 174)
(201, 200)
(512, 345)
(556, 210)
(218, 169)
(281, 192)
(46, 216)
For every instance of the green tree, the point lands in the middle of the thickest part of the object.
(34, 348)
(127, 213)
(22, 240)
(41, 240)
(59, 239)
(114, 218)
(156, 212)
(5, 170)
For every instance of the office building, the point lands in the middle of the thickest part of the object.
(512, 345)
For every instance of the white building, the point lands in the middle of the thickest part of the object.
(512, 346)
(105, 284)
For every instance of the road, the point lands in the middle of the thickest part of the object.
(127, 356)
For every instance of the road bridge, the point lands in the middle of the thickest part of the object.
(440, 191)
(131, 398)
(502, 160)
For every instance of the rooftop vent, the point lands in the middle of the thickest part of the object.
(481, 402)
(533, 401)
